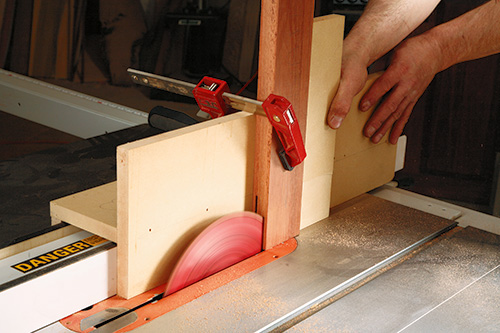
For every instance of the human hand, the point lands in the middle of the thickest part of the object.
(414, 64)
(352, 80)
(413, 67)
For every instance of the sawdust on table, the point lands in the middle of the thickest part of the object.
(244, 302)
(373, 223)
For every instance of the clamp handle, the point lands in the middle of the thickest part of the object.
(280, 113)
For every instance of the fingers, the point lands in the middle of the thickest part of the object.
(412, 69)
(397, 129)
(341, 104)
(338, 110)
(395, 121)
(379, 88)
(390, 110)
(352, 80)
(400, 98)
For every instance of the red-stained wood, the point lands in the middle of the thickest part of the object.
(284, 61)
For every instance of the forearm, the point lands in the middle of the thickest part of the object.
(384, 24)
(473, 35)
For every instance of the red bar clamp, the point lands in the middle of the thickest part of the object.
(208, 94)
(280, 113)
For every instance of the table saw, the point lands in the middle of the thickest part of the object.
(386, 260)
(374, 265)
(390, 260)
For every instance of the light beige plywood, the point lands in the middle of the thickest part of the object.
(360, 165)
(350, 134)
(93, 210)
(362, 172)
(172, 185)
(326, 57)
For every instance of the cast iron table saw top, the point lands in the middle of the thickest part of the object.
(29, 183)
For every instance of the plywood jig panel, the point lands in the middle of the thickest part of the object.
(93, 210)
(171, 186)
(360, 165)
(326, 58)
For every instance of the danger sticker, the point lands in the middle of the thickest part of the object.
(60, 253)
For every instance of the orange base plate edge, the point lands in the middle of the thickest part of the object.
(181, 297)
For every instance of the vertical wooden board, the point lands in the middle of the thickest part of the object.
(3, 5)
(284, 60)
(34, 25)
(249, 42)
(7, 16)
(362, 172)
(350, 136)
(45, 29)
(20, 44)
(326, 58)
(171, 186)
(125, 25)
(360, 165)
(241, 38)
(64, 38)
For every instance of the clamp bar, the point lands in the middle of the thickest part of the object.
(186, 89)
(161, 82)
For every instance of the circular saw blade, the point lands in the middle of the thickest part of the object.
(225, 242)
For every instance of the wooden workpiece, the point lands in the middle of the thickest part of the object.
(326, 56)
(170, 186)
(360, 165)
(344, 163)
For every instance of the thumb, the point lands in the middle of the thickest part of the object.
(340, 106)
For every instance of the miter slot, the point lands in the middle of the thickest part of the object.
(153, 299)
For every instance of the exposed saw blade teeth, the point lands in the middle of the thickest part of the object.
(227, 241)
